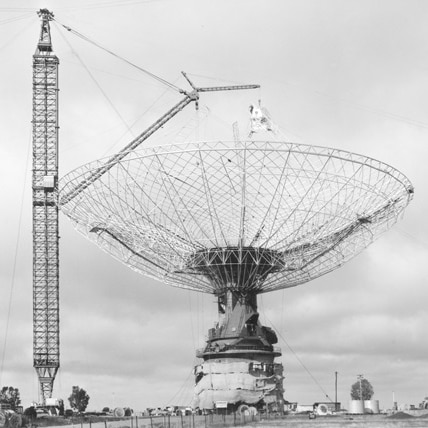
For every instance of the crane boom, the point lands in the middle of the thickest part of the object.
(112, 161)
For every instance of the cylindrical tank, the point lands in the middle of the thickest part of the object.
(356, 407)
(322, 409)
(119, 412)
(371, 406)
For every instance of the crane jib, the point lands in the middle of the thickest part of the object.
(112, 161)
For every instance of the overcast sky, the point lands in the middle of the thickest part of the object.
(345, 74)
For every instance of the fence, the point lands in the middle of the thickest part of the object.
(170, 421)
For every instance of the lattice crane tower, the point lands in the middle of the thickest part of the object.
(45, 211)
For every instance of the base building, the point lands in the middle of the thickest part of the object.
(238, 365)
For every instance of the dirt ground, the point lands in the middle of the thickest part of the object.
(399, 420)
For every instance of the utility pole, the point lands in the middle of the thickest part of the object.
(335, 391)
(45, 211)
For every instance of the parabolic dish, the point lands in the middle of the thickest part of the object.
(253, 215)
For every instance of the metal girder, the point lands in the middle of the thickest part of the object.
(45, 211)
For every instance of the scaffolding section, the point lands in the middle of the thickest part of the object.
(45, 211)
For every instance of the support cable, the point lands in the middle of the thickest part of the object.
(297, 357)
(180, 392)
(107, 4)
(87, 39)
(412, 237)
(135, 121)
(12, 285)
(17, 9)
(19, 33)
(109, 101)
(16, 18)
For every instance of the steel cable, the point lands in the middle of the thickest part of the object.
(87, 39)
(12, 285)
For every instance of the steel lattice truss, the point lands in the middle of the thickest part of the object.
(45, 211)
(253, 216)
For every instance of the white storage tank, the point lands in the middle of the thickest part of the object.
(371, 406)
(356, 407)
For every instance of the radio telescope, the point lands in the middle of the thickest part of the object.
(235, 219)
